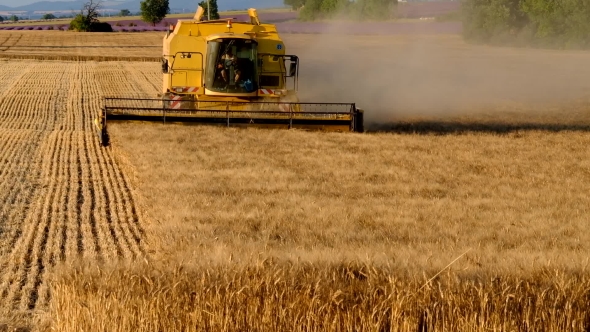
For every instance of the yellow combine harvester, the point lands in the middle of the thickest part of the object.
(230, 73)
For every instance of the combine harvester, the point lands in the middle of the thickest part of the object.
(229, 73)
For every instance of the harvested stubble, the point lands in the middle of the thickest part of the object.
(271, 296)
(59, 45)
(62, 196)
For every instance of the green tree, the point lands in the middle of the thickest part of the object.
(556, 24)
(48, 16)
(1, 19)
(80, 23)
(375, 9)
(87, 19)
(13, 18)
(87, 16)
(213, 8)
(311, 10)
(125, 12)
(154, 11)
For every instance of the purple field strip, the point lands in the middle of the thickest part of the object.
(427, 9)
(139, 24)
(139, 29)
(385, 28)
(36, 27)
(344, 28)
(286, 22)
(264, 17)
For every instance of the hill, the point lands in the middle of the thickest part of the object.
(175, 5)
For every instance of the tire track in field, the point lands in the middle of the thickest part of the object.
(6, 40)
(15, 39)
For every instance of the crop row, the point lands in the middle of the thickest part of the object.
(62, 196)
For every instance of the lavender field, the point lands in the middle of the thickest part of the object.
(137, 25)
(427, 9)
(286, 22)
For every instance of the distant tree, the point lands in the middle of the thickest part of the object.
(125, 12)
(87, 19)
(13, 18)
(48, 16)
(154, 11)
(88, 15)
(1, 19)
(213, 8)
(80, 23)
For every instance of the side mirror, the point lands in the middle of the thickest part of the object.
(293, 69)
(165, 66)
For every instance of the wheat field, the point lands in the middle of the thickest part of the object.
(464, 221)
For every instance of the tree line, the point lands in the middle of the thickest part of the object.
(151, 11)
(51, 16)
(310, 10)
(541, 23)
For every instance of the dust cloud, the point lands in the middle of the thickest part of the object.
(399, 76)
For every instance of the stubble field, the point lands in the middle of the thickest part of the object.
(476, 154)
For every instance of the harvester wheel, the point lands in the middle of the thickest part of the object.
(104, 138)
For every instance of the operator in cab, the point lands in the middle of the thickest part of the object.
(229, 60)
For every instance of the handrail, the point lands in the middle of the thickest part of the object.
(171, 111)
(232, 102)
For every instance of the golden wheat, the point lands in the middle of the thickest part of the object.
(271, 296)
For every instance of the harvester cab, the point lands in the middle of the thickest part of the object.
(231, 73)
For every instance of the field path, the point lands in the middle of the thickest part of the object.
(62, 197)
